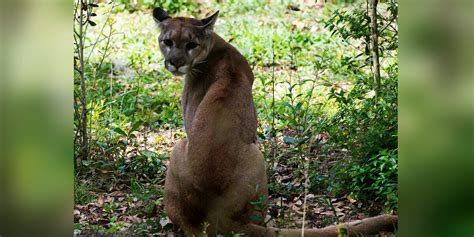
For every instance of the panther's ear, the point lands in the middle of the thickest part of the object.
(160, 15)
(208, 22)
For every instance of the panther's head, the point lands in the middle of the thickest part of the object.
(184, 42)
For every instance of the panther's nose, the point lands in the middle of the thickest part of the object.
(177, 63)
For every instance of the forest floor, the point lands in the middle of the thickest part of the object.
(136, 120)
(130, 202)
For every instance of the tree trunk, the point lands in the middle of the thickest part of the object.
(375, 46)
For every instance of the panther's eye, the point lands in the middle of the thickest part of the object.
(168, 42)
(191, 45)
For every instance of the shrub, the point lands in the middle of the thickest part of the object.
(365, 124)
(171, 6)
(376, 179)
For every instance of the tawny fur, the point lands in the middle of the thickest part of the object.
(215, 173)
(218, 171)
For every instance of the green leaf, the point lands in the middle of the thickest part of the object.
(289, 140)
(255, 218)
(129, 111)
(77, 226)
(92, 23)
(148, 153)
(102, 145)
(136, 125)
(168, 226)
(86, 162)
(119, 131)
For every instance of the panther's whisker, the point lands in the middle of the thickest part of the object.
(201, 62)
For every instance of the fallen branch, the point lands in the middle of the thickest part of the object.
(364, 227)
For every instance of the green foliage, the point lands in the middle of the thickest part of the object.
(236, 7)
(376, 179)
(171, 6)
(365, 124)
(82, 193)
(259, 205)
(311, 78)
(114, 225)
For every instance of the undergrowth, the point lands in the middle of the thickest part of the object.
(313, 91)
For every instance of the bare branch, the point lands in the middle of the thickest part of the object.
(100, 33)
